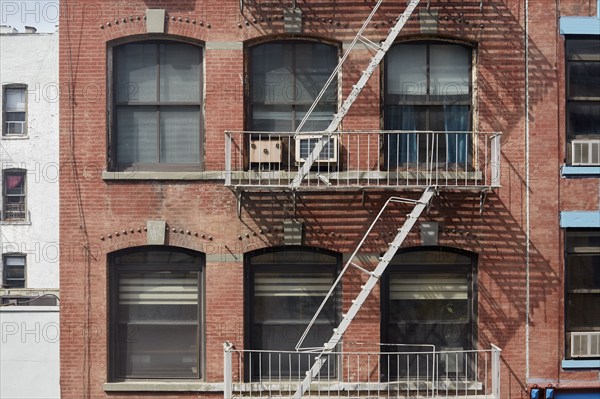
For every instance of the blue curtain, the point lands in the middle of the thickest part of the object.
(402, 148)
(458, 146)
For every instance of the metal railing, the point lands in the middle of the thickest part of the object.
(364, 159)
(420, 373)
(14, 211)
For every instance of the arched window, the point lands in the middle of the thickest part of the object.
(429, 297)
(156, 307)
(427, 87)
(157, 121)
(285, 78)
(284, 287)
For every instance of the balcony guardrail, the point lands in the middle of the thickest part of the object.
(424, 373)
(359, 159)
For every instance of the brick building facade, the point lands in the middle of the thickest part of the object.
(175, 238)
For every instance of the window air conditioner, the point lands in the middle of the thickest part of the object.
(585, 152)
(306, 144)
(265, 151)
(585, 344)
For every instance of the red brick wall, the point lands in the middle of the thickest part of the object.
(98, 216)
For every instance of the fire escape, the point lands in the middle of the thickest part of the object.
(349, 160)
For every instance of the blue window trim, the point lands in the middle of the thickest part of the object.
(581, 25)
(580, 364)
(579, 171)
(581, 219)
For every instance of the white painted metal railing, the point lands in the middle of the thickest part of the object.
(365, 159)
(418, 372)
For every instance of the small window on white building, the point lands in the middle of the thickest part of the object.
(14, 114)
(14, 202)
(13, 271)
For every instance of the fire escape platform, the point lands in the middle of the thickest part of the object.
(358, 160)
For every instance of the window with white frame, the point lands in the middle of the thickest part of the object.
(583, 100)
(582, 293)
(13, 271)
(14, 195)
(285, 287)
(156, 313)
(14, 110)
(428, 87)
(157, 120)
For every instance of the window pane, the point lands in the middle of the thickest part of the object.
(14, 261)
(582, 311)
(583, 118)
(283, 74)
(583, 48)
(152, 308)
(180, 66)
(583, 241)
(450, 73)
(584, 79)
(14, 183)
(180, 135)
(15, 116)
(14, 100)
(291, 296)
(583, 272)
(136, 73)
(406, 73)
(272, 73)
(314, 64)
(136, 140)
(272, 118)
(15, 272)
(319, 119)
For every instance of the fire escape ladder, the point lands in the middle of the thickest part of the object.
(374, 276)
(356, 89)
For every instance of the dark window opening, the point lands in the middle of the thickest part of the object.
(285, 287)
(427, 87)
(157, 105)
(156, 313)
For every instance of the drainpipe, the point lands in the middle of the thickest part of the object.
(527, 225)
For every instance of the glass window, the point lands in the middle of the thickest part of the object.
(428, 298)
(14, 195)
(285, 79)
(14, 110)
(582, 303)
(157, 106)
(427, 87)
(286, 287)
(583, 100)
(156, 312)
(13, 275)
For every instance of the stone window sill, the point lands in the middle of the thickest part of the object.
(580, 171)
(146, 175)
(162, 386)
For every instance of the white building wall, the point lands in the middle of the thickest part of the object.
(29, 359)
(32, 59)
(29, 347)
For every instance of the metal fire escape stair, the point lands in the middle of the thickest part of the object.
(356, 89)
(374, 276)
(419, 205)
